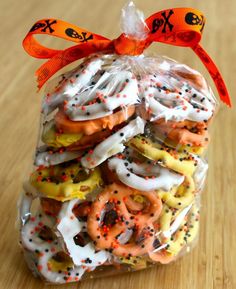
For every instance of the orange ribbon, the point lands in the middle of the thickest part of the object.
(177, 26)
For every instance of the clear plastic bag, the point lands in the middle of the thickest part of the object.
(119, 166)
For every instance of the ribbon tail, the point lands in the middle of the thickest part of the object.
(214, 72)
(67, 56)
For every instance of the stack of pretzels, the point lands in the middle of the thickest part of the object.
(119, 167)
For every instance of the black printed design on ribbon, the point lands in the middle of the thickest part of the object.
(163, 22)
(46, 25)
(201, 53)
(74, 34)
(194, 19)
(218, 80)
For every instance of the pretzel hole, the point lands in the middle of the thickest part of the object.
(126, 237)
(81, 239)
(60, 262)
(133, 235)
(110, 217)
(156, 244)
(140, 237)
(50, 207)
(137, 204)
(46, 234)
(81, 176)
(82, 210)
(193, 129)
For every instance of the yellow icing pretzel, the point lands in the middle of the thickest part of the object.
(178, 161)
(185, 234)
(54, 139)
(181, 196)
(174, 242)
(136, 263)
(65, 183)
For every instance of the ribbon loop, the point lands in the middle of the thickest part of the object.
(176, 26)
(179, 26)
(56, 28)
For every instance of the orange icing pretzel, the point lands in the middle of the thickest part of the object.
(194, 79)
(89, 127)
(184, 132)
(140, 224)
(162, 257)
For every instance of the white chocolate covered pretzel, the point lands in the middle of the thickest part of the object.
(45, 249)
(69, 227)
(72, 83)
(112, 90)
(146, 176)
(172, 99)
(113, 144)
(51, 158)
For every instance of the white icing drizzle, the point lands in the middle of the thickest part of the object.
(112, 90)
(129, 174)
(48, 159)
(113, 144)
(75, 82)
(185, 104)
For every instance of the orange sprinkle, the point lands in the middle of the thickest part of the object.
(39, 267)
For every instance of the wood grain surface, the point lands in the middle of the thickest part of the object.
(212, 264)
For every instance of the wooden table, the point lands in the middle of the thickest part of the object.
(212, 263)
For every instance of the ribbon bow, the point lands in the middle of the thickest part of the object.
(177, 26)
